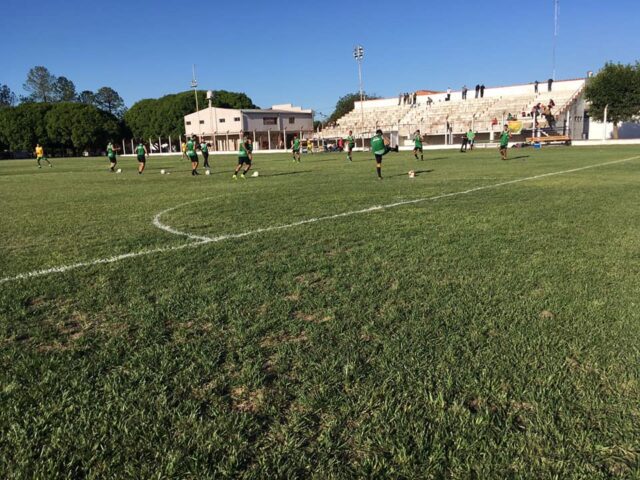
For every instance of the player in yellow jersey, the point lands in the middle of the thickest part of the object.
(184, 150)
(40, 156)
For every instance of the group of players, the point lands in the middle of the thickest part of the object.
(380, 146)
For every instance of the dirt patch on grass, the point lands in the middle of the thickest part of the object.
(293, 297)
(271, 341)
(312, 317)
(245, 400)
(547, 315)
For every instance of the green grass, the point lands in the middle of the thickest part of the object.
(488, 335)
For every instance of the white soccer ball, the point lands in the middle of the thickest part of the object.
(412, 174)
(207, 172)
(162, 172)
(119, 170)
(255, 174)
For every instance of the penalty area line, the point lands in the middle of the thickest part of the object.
(203, 240)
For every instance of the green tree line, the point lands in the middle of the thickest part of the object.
(62, 128)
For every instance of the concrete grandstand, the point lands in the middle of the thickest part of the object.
(443, 121)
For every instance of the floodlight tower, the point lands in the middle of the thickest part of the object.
(358, 54)
(556, 31)
(194, 85)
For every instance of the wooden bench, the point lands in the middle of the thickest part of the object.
(550, 139)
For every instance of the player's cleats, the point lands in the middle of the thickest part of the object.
(235, 177)
(242, 176)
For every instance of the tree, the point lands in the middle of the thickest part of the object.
(7, 97)
(107, 99)
(41, 85)
(77, 126)
(64, 90)
(346, 103)
(617, 88)
(23, 126)
(87, 96)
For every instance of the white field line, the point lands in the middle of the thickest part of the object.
(203, 240)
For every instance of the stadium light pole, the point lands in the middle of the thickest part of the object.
(194, 85)
(556, 29)
(358, 54)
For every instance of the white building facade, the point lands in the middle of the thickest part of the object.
(272, 128)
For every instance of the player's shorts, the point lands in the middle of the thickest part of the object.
(142, 159)
(193, 156)
(417, 149)
(296, 150)
(205, 155)
(503, 147)
(350, 148)
(245, 160)
(112, 158)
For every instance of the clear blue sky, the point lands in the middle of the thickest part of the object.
(301, 51)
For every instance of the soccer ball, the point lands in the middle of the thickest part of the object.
(162, 172)
(412, 174)
(119, 170)
(207, 172)
(255, 174)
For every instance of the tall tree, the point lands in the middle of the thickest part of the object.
(346, 103)
(64, 90)
(7, 97)
(40, 84)
(109, 100)
(615, 88)
(87, 96)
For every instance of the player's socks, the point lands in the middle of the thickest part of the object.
(379, 170)
(421, 157)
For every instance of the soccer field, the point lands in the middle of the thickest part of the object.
(483, 323)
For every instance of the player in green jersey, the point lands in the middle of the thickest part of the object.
(204, 148)
(141, 153)
(193, 155)
(417, 145)
(111, 155)
(504, 142)
(351, 143)
(245, 157)
(295, 148)
(471, 138)
(380, 147)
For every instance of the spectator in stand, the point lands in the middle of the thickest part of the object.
(535, 86)
(429, 101)
(494, 121)
(477, 90)
(340, 144)
(415, 97)
(549, 84)
(482, 91)
(448, 95)
(399, 99)
(464, 92)
(551, 104)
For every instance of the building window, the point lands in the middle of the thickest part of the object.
(236, 119)
(201, 122)
(292, 119)
(270, 121)
(188, 123)
(222, 120)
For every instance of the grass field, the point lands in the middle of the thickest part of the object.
(487, 334)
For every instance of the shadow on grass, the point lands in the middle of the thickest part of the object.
(518, 157)
(285, 173)
(417, 172)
